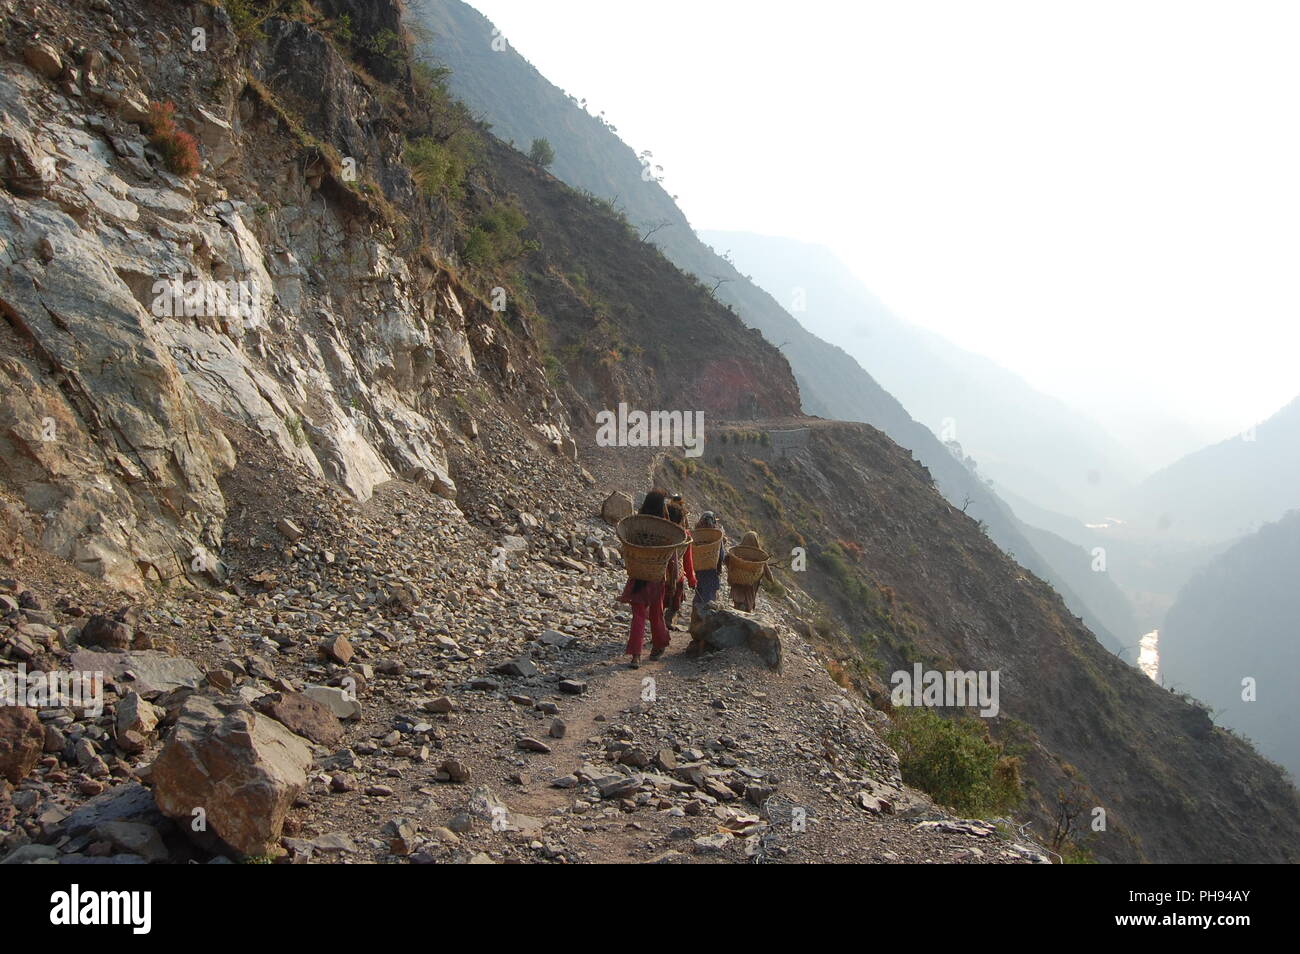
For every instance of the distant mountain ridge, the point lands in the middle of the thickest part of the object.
(1227, 489)
(1239, 618)
(1027, 441)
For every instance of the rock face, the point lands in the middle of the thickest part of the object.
(21, 741)
(144, 306)
(242, 769)
(720, 628)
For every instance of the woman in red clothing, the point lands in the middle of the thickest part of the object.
(682, 569)
(646, 598)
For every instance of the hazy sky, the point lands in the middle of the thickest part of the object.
(1102, 196)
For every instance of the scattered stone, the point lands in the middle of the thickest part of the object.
(402, 839)
(338, 649)
(958, 826)
(712, 844)
(557, 639)
(31, 855)
(243, 771)
(334, 842)
(455, 770)
(521, 667)
(616, 786)
(135, 838)
(148, 672)
(341, 702)
(136, 720)
(220, 679)
(130, 802)
(44, 59)
(302, 715)
(22, 742)
(107, 632)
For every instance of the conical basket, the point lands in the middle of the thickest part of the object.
(745, 565)
(647, 544)
(706, 545)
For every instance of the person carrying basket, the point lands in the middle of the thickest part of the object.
(744, 574)
(709, 554)
(648, 579)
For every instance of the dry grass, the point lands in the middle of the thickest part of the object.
(180, 151)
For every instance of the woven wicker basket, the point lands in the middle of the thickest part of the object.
(745, 565)
(647, 544)
(706, 545)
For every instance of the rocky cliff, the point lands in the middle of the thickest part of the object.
(301, 285)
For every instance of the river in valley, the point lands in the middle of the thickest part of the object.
(1149, 654)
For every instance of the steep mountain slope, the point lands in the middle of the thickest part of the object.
(503, 88)
(1024, 440)
(349, 368)
(359, 513)
(1091, 582)
(1225, 490)
(1239, 619)
(923, 586)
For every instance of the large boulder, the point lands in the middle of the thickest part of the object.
(616, 506)
(719, 628)
(22, 740)
(243, 770)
